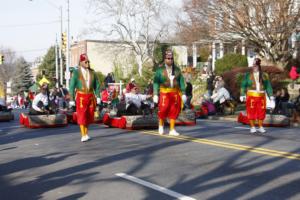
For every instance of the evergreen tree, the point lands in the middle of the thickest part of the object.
(23, 78)
(48, 66)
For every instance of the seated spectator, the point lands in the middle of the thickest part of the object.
(211, 109)
(149, 89)
(220, 95)
(296, 109)
(40, 102)
(134, 102)
(297, 102)
(218, 82)
(283, 102)
(130, 85)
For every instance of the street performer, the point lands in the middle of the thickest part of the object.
(85, 84)
(169, 84)
(254, 88)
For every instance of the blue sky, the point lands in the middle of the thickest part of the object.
(29, 27)
(20, 32)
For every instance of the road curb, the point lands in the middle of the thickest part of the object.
(233, 118)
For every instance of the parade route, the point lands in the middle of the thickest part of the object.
(155, 187)
(269, 152)
(212, 160)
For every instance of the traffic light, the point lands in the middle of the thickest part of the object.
(1, 59)
(64, 41)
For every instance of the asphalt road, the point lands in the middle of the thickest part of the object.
(212, 160)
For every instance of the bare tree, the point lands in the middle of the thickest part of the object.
(138, 23)
(7, 69)
(265, 24)
(190, 26)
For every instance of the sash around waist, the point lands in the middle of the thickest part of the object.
(166, 90)
(253, 93)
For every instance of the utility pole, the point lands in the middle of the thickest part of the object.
(67, 74)
(56, 63)
(60, 49)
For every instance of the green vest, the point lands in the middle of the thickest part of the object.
(78, 83)
(161, 79)
(248, 83)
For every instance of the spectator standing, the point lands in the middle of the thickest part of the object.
(219, 96)
(189, 94)
(109, 79)
(62, 95)
(210, 83)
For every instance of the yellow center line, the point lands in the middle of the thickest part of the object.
(227, 145)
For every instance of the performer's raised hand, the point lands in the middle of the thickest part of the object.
(155, 99)
(183, 97)
(242, 98)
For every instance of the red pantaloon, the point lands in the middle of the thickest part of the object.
(256, 106)
(169, 104)
(85, 107)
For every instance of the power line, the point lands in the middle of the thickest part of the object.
(24, 51)
(31, 50)
(25, 25)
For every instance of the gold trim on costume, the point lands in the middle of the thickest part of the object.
(251, 103)
(167, 90)
(82, 92)
(163, 100)
(80, 102)
(255, 94)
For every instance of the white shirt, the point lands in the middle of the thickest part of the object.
(40, 97)
(135, 98)
(221, 95)
(256, 78)
(86, 76)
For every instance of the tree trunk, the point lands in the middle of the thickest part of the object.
(140, 64)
